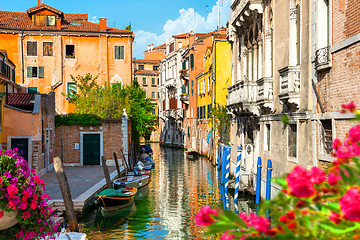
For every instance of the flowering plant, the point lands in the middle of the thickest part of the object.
(312, 205)
(21, 190)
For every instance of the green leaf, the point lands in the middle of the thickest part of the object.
(340, 231)
(332, 206)
(221, 227)
(282, 182)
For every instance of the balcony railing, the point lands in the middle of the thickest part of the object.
(265, 92)
(322, 58)
(290, 84)
(243, 93)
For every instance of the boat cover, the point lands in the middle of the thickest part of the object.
(111, 192)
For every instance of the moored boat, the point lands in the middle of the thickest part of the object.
(140, 173)
(192, 155)
(115, 199)
(131, 181)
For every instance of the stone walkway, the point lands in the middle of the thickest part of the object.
(80, 179)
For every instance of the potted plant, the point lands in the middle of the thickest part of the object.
(24, 212)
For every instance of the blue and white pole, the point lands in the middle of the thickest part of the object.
(223, 165)
(268, 179)
(227, 172)
(237, 180)
(219, 164)
(258, 181)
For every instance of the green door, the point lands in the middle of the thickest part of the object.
(91, 149)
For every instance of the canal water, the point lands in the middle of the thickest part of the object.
(164, 209)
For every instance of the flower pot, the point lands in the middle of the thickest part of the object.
(8, 220)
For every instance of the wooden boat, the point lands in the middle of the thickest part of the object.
(192, 155)
(115, 199)
(110, 220)
(140, 166)
(141, 173)
(131, 181)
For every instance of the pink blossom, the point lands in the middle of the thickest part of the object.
(1, 214)
(12, 190)
(354, 134)
(259, 223)
(350, 204)
(227, 236)
(203, 218)
(350, 106)
(317, 175)
(33, 205)
(335, 217)
(26, 215)
(333, 179)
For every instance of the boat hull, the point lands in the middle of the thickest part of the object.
(130, 181)
(109, 203)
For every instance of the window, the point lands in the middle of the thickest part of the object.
(31, 48)
(154, 111)
(267, 137)
(158, 81)
(153, 95)
(298, 23)
(192, 87)
(32, 90)
(144, 81)
(209, 111)
(135, 79)
(141, 67)
(47, 49)
(327, 138)
(158, 95)
(153, 81)
(155, 68)
(292, 140)
(191, 61)
(209, 83)
(70, 51)
(119, 52)
(50, 20)
(34, 72)
(71, 89)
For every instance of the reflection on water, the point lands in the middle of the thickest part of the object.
(165, 209)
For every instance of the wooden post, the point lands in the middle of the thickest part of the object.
(65, 190)
(106, 172)
(117, 165)
(124, 162)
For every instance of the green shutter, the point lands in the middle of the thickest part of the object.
(13, 75)
(41, 72)
(192, 60)
(32, 90)
(117, 52)
(71, 89)
(29, 72)
(184, 65)
(122, 53)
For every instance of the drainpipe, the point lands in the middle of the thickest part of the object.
(22, 56)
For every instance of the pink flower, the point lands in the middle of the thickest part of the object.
(227, 236)
(335, 218)
(301, 181)
(203, 218)
(1, 214)
(260, 224)
(354, 134)
(350, 204)
(350, 106)
(12, 190)
(26, 215)
(333, 179)
(33, 204)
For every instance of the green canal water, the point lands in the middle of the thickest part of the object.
(164, 209)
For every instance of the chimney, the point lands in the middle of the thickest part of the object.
(58, 23)
(149, 47)
(152, 46)
(102, 24)
(39, 2)
(191, 38)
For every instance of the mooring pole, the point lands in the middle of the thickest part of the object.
(117, 165)
(106, 172)
(258, 181)
(65, 190)
(237, 179)
(227, 171)
(268, 179)
(223, 165)
(219, 165)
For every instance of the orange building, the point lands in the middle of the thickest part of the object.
(155, 53)
(48, 46)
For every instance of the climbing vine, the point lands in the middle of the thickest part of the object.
(221, 123)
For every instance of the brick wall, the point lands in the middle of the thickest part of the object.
(67, 136)
(352, 24)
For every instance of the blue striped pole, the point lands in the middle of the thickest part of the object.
(219, 164)
(268, 179)
(228, 152)
(258, 181)
(237, 179)
(223, 164)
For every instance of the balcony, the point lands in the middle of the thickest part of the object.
(290, 84)
(322, 58)
(265, 94)
(242, 7)
(242, 96)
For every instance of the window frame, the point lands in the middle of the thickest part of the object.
(74, 53)
(153, 81)
(323, 155)
(67, 88)
(121, 57)
(267, 137)
(144, 83)
(32, 89)
(39, 70)
(27, 48)
(291, 158)
(52, 49)
(47, 20)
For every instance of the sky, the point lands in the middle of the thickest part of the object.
(152, 21)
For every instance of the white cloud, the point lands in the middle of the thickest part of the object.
(94, 19)
(189, 20)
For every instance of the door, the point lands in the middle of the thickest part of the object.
(22, 145)
(91, 149)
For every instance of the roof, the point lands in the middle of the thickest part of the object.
(160, 47)
(183, 35)
(146, 61)
(20, 99)
(22, 21)
(3, 52)
(43, 6)
(146, 72)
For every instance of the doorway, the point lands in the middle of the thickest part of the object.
(91, 148)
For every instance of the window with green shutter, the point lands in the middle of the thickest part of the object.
(71, 89)
(32, 90)
(34, 72)
(41, 72)
(191, 61)
(119, 52)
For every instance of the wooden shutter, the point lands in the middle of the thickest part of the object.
(122, 52)
(29, 72)
(41, 72)
(32, 48)
(117, 52)
(191, 60)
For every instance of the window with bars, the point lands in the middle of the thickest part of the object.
(31, 47)
(292, 140)
(119, 52)
(47, 49)
(327, 137)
